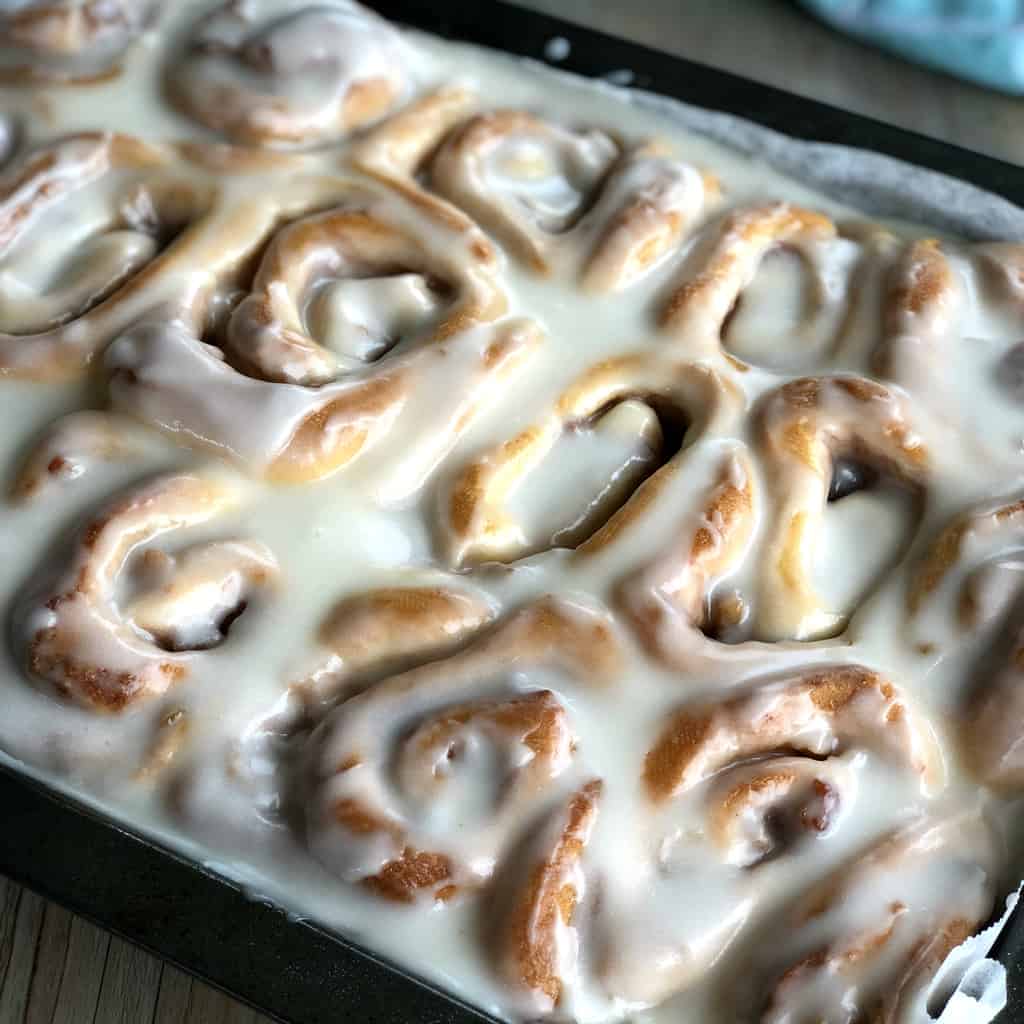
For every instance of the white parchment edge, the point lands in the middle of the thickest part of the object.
(976, 983)
(877, 184)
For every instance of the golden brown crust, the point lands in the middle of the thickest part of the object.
(634, 206)
(78, 639)
(697, 308)
(400, 880)
(444, 715)
(387, 623)
(930, 279)
(673, 592)
(429, 712)
(666, 763)
(478, 526)
(806, 427)
(370, 238)
(947, 549)
(63, 328)
(850, 703)
(767, 808)
(921, 301)
(318, 410)
(547, 907)
(332, 435)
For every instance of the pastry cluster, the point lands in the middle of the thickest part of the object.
(685, 671)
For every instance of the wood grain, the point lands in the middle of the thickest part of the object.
(58, 969)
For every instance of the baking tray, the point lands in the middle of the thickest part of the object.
(292, 970)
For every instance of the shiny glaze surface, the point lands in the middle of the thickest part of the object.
(511, 526)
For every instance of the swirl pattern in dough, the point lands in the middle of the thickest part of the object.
(392, 766)
(83, 638)
(294, 74)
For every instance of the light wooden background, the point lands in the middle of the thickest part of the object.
(58, 969)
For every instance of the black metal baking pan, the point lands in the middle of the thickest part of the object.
(292, 970)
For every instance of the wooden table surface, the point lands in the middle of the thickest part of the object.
(56, 968)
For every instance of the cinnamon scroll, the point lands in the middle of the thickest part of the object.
(124, 619)
(738, 792)
(294, 74)
(870, 938)
(839, 470)
(92, 236)
(562, 201)
(393, 768)
(350, 312)
(544, 188)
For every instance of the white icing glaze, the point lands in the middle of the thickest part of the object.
(361, 320)
(595, 386)
(291, 73)
(68, 40)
